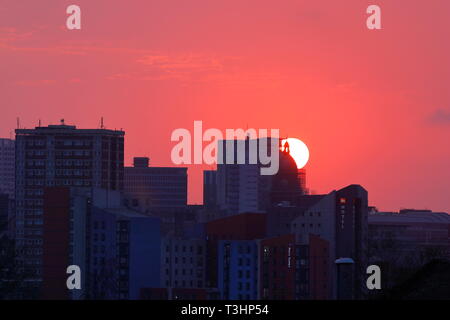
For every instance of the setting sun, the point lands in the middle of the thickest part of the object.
(298, 150)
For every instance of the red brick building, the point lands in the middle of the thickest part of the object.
(55, 243)
(277, 268)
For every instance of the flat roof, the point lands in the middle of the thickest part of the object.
(65, 129)
(409, 217)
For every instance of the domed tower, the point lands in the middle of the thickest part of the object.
(286, 186)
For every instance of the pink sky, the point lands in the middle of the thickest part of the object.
(372, 106)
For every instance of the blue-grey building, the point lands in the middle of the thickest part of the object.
(238, 270)
(124, 253)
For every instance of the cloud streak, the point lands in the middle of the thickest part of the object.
(440, 117)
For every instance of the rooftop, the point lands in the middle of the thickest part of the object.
(413, 216)
(66, 128)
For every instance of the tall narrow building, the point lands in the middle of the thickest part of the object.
(59, 155)
(7, 160)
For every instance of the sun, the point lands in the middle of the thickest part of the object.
(298, 151)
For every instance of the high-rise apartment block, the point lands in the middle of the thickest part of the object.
(59, 155)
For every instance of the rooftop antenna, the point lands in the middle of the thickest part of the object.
(101, 123)
(18, 123)
(39, 123)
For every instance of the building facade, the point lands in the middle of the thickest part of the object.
(149, 189)
(337, 222)
(238, 269)
(183, 263)
(240, 186)
(6, 215)
(7, 165)
(117, 250)
(277, 268)
(59, 155)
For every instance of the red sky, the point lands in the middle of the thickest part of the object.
(372, 106)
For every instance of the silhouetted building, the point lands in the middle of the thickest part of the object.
(340, 219)
(138, 252)
(183, 263)
(237, 269)
(210, 188)
(242, 188)
(246, 226)
(149, 189)
(7, 165)
(63, 240)
(117, 250)
(412, 230)
(313, 277)
(345, 278)
(407, 240)
(277, 268)
(6, 215)
(60, 156)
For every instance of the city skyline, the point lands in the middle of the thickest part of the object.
(224, 155)
(129, 164)
(312, 70)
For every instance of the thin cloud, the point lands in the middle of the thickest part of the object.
(35, 83)
(440, 117)
(183, 63)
